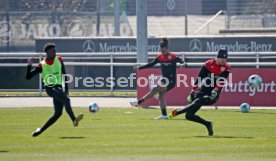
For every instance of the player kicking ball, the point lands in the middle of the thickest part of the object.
(218, 70)
(168, 62)
(51, 69)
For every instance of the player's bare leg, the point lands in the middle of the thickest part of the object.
(149, 95)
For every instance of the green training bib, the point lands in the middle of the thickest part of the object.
(51, 74)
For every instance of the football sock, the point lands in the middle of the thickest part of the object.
(140, 101)
(164, 112)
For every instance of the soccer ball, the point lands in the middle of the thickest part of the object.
(93, 107)
(245, 107)
(254, 80)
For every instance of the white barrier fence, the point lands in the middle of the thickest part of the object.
(243, 58)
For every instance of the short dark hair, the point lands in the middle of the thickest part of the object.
(164, 43)
(49, 46)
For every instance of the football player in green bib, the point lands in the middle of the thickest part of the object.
(51, 69)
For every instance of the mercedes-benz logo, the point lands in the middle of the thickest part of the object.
(76, 29)
(6, 32)
(195, 45)
(171, 4)
(88, 46)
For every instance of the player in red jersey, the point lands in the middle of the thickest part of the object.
(168, 62)
(215, 69)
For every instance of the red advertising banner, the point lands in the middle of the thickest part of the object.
(233, 94)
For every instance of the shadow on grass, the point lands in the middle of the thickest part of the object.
(149, 107)
(225, 137)
(4, 151)
(174, 119)
(72, 137)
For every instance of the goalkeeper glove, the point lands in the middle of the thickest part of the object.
(214, 94)
(191, 97)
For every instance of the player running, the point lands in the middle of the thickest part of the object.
(218, 70)
(168, 62)
(52, 68)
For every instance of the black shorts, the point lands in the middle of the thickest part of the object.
(206, 98)
(171, 84)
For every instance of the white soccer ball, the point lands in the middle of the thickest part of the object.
(93, 107)
(254, 80)
(245, 107)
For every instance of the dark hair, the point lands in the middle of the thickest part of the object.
(49, 46)
(164, 43)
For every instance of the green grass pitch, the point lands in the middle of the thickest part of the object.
(132, 134)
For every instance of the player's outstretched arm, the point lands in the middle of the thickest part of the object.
(216, 91)
(32, 72)
(149, 65)
(179, 60)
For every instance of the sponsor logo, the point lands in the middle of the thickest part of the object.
(195, 45)
(76, 29)
(88, 46)
(171, 4)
